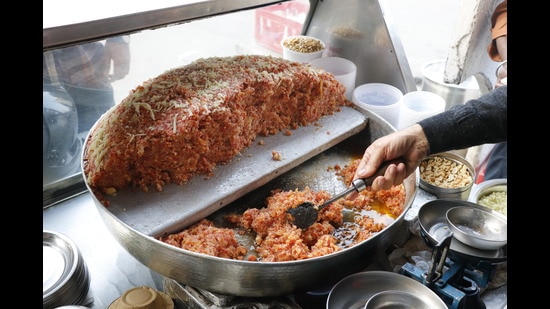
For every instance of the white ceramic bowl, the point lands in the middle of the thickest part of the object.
(299, 48)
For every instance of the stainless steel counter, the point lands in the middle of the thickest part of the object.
(113, 270)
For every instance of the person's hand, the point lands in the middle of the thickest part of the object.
(410, 144)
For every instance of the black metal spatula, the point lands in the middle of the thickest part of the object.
(305, 214)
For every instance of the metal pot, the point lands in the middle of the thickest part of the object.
(246, 278)
(453, 94)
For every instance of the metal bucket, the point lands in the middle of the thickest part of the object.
(433, 76)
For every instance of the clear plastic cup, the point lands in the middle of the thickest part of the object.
(344, 71)
(419, 105)
(382, 99)
(298, 50)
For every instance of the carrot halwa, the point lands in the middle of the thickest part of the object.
(187, 120)
(340, 225)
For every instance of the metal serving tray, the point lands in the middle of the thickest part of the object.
(176, 207)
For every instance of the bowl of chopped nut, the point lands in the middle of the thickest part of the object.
(446, 175)
(302, 48)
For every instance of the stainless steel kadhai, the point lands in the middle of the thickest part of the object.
(136, 219)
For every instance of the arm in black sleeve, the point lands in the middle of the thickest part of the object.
(478, 121)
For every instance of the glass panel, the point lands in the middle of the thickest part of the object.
(54, 12)
(81, 82)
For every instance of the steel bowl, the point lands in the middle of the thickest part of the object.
(434, 227)
(478, 228)
(396, 299)
(480, 194)
(461, 193)
(354, 291)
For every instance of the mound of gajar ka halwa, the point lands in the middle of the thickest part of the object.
(187, 120)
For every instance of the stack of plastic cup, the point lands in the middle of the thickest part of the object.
(418, 105)
(344, 71)
(381, 99)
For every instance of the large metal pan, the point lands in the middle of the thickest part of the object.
(132, 220)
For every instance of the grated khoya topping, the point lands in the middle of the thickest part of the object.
(205, 83)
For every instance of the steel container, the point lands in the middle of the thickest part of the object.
(453, 94)
(360, 290)
(461, 193)
(66, 279)
(487, 187)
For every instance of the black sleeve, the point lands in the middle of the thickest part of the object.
(478, 121)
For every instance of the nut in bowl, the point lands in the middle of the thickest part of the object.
(478, 228)
(446, 175)
(302, 48)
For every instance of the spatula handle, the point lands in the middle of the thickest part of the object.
(361, 184)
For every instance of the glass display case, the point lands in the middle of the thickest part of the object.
(94, 54)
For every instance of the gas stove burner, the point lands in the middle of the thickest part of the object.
(189, 297)
(457, 282)
(456, 287)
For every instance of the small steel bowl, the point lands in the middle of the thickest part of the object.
(481, 194)
(395, 299)
(432, 163)
(478, 228)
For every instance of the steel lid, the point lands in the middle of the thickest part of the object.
(66, 279)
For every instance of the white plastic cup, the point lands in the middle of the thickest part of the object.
(381, 99)
(344, 71)
(419, 105)
(302, 57)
